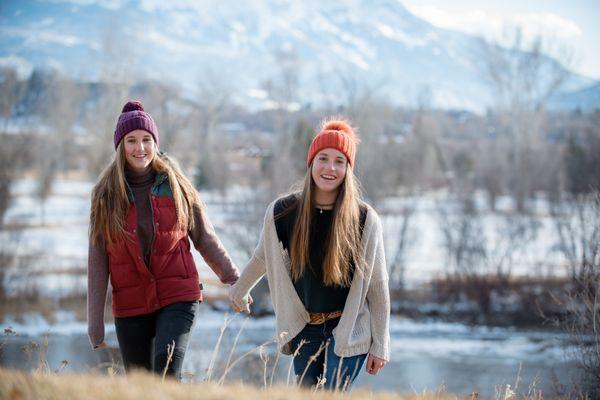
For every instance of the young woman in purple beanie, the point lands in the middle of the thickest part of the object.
(322, 251)
(144, 213)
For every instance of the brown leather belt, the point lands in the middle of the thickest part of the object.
(319, 318)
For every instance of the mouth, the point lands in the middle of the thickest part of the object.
(140, 157)
(328, 177)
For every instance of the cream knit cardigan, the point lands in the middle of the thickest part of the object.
(364, 325)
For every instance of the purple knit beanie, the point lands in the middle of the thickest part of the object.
(134, 117)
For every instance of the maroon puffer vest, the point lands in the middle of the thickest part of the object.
(171, 276)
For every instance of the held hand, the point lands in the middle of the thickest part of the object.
(245, 310)
(100, 346)
(374, 364)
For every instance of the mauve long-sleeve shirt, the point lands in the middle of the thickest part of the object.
(203, 237)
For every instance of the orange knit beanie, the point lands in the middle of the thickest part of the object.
(335, 134)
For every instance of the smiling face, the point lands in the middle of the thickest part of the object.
(139, 149)
(328, 170)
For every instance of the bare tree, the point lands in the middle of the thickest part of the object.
(582, 154)
(209, 142)
(463, 236)
(481, 249)
(65, 101)
(362, 103)
(100, 125)
(116, 79)
(170, 114)
(246, 214)
(397, 264)
(283, 88)
(577, 221)
(14, 155)
(213, 169)
(423, 146)
(11, 90)
(377, 164)
(48, 165)
(300, 138)
(55, 152)
(215, 90)
(8, 256)
(283, 92)
(521, 78)
(13, 147)
(491, 166)
(345, 89)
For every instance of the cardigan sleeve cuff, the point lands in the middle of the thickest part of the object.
(380, 351)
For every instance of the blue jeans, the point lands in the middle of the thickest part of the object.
(315, 358)
(143, 339)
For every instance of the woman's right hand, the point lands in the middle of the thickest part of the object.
(101, 345)
(246, 309)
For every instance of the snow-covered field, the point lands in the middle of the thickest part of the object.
(425, 254)
(52, 250)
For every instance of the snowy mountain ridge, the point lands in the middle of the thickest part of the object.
(319, 50)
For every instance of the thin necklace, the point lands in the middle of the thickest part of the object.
(319, 206)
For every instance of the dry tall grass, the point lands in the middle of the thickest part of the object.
(17, 385)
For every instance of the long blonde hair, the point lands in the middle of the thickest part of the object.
(110, 200)
(343, 244)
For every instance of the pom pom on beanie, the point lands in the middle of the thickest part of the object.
(132, 105)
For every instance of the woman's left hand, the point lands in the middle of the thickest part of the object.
(374, 364)
(246, 310)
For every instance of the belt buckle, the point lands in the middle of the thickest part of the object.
(317, 318)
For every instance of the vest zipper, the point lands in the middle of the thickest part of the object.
(153, 232)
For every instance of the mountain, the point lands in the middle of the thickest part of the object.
(585, 99)
(260, 51)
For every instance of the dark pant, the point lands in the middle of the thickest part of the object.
(315, 358)
(143, 339)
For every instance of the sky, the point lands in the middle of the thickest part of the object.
(570, 27)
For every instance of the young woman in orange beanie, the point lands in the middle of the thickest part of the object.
(144, 213)
(322, 251)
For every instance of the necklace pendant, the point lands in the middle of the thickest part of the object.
(321, 210)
